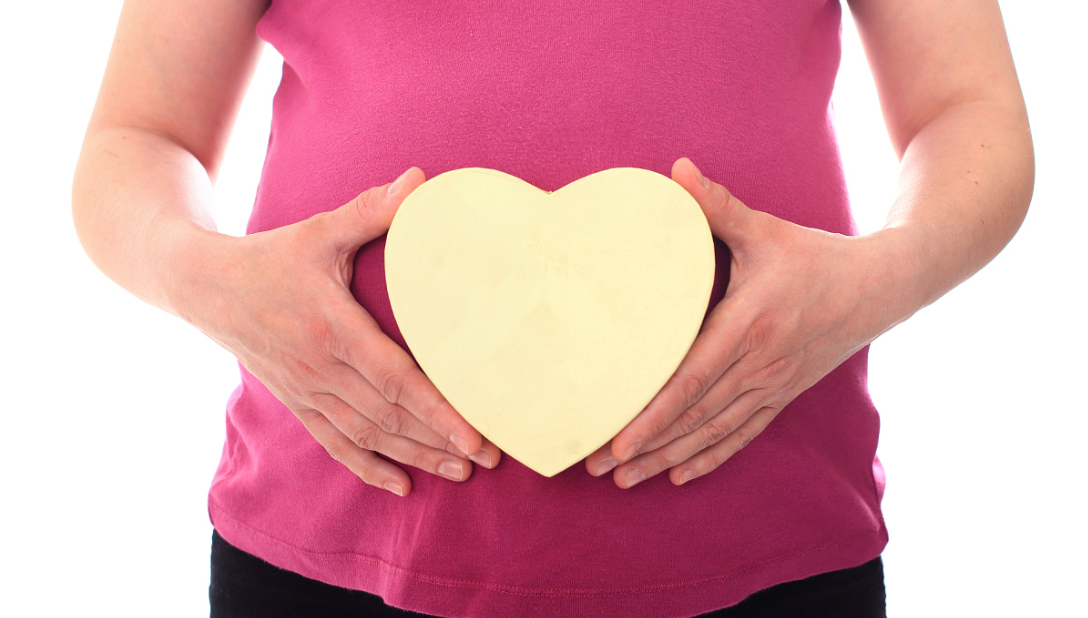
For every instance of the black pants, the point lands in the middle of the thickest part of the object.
(244, 586)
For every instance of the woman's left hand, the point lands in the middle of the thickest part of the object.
(800, 301)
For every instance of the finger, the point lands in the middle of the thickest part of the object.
(488, 456)
(398, 379)
(601, 461)
(373, 470)
(425, 458)
(369, 214)
(729, 219)
(368, 436)
(724, 424)
(359, 421)
(719, 345)
(728, 387)
(709, 459)
(365, 401)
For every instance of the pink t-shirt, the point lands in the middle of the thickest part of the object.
(552, 91)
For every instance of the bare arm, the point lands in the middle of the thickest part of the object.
(278, 300)
(802, 301)
(143, 185)
(956, 117)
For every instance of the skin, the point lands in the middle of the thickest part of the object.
(278, 300)
(800, 301)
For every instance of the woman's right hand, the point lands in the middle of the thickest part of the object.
(284, 308)
(279, 300)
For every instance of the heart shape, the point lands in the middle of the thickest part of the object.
(549, 320)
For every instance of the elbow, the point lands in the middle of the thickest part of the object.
(82, 187)
(1023, 178)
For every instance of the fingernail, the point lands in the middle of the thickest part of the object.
(398, 183)
(687, 476)
(394, 487)
(634, 477)
(606, 465)
(702, 180)
(632, 451)
(482, 457)
(460, 443)
(451, 470)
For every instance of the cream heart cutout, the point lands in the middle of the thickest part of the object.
(549, 320)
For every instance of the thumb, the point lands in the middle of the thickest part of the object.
(370, 213)
(729, 219)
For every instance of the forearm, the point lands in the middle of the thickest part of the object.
(141, 204)
(965, 181)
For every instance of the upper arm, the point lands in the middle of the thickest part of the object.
(180, 68)
(928, 55)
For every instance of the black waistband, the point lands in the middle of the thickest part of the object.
(244, 586)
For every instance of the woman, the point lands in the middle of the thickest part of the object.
(340, 452)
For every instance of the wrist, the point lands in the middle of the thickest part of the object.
(898, 280)
(189, 264)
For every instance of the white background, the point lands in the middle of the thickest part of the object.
(113, 410)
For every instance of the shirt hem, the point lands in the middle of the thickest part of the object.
(415, 591)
